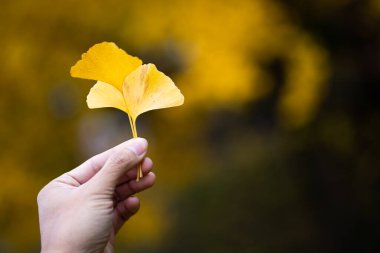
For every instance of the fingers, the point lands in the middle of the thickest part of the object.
(124, 210)
(146, 166)
(88, 169)
(127, 204)
(124, 158)
(131, 187)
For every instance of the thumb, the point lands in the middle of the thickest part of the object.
(123, 158)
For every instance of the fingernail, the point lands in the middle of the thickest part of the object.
(138, 146)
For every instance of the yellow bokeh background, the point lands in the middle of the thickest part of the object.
(219, 53)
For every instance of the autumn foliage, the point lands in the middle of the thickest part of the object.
(275, 149)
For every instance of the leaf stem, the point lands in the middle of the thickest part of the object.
(132, 122)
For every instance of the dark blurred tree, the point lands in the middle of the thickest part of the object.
(314, 188)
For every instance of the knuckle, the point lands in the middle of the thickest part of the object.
(41, 196)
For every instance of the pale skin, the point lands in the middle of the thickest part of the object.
(83, 209)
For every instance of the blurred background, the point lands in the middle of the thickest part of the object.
(276, 148)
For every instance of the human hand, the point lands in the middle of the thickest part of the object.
(83, 209)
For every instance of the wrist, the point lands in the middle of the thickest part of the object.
(56, 250)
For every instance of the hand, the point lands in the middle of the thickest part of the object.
(82, 210)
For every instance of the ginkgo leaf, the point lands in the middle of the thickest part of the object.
(147, 89)
(105, 62)
(105, 95)
(125, 84)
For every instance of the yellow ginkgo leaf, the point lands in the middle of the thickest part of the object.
(125, 84)
(105, 62)
(105, 95)
(147, 89)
